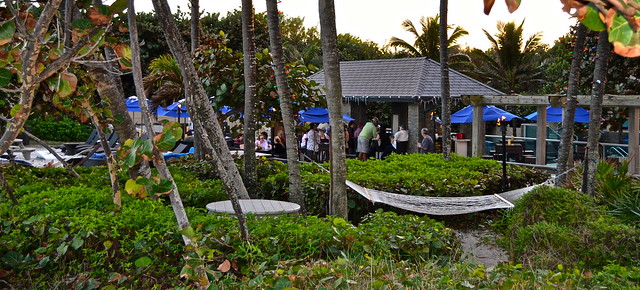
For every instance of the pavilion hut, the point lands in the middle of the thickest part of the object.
(410, 85)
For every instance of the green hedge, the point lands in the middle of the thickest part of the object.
(62, 129)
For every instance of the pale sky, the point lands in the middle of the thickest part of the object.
(378, 20)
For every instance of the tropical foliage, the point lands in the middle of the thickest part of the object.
(619, 18)
(70, 242)
(511, 65)
(427, 42)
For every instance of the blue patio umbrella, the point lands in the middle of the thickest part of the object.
(176, 110)
(319, 115)
(489, 113)
(133, 104)
(554, 115)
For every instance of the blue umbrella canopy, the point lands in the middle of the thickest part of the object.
(176, 110)
(554, 115)
(319, 115)
(132, 104)
(489, 113)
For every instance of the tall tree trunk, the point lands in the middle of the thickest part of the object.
(444, 81)
(250, 75)
(566, 139)
(203, 116)
(597, 94)
(195, 24)
(331, 64)
(158, 159)
(195, 42)
(284, 93)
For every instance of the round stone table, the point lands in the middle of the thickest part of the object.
(259, 207)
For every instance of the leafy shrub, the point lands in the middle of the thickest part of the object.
(61, 128)
(612, 179)
(555, 205)
(197, 192)
(554, 226)
(70, 232)
(56, 236)
(282, 238)
(627, 207)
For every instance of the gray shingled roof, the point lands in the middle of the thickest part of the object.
(401, 79)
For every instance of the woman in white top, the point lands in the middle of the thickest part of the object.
(402, 140)
(313, 141)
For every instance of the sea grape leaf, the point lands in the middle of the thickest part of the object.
(626, 41)
(512, 5)
(143, 262)
(590, 17)
(7, 30)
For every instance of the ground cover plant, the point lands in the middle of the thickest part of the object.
(66, 233)
(550, 227)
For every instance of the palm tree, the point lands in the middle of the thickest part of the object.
(427, 41)
(329, 39)
(595, 119)
(566, 140)
(284, 93)
(163, 84)
(445, 94)
(510, 64)
(250, 77)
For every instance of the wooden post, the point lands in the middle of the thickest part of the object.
(541, 136)
(414, 126)
(477, 132)
(634, 141)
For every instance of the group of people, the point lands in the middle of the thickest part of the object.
(371, 138)
(263, 144)
(364, 140)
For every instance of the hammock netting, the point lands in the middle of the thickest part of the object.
(442, 205)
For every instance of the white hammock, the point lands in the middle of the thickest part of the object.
(442, 205)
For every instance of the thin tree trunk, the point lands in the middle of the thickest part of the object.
(69, 8)
(203, 116)
(8, 188)
(250, 75)
(195, 43)
(195, 24)
(111, 160)
(444, 81)
(158, 159)
(566, 139)
(284, 93)
(331, 63)
(597, 93)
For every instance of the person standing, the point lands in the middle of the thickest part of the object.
(402, 140)
(352, 137)
(369, 131)
(313, 142)
(426, 146)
